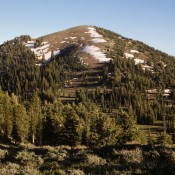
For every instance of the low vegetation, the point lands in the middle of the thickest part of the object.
(80, 160)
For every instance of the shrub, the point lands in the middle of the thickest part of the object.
(56, 154)
(133, 156)
(95, 160)
(152, 154)
(9, 169)
(164, 139)
(3, 153)
(52, 168)
(28, 170)
(26, 158)
(75, 172)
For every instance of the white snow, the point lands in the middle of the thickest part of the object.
(167, 91)
(43, 47)
(98, 40)
(152, 91)
(138, 61)
(42, 50)
(56, 52)
(47, 55)
(146, 67)
(43, 43)
(128, 55)
(39, 64)
(96, 53)
(73, 37)
(63, 42)
(134, 51)
(30, 44)
(93, 33)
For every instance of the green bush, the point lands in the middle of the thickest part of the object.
(52, 168)
(132, 156)
(75, 172)
(28, 170)
(94, 160)
(56, 154)
(3, 153)
(9, 168)
(28, 158)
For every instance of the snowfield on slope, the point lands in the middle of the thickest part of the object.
(96, 37)
(128, 55)
(43, 50)
(131, 56)
(134, 51)
(96, 53)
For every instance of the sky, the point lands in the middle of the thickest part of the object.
(149, 21)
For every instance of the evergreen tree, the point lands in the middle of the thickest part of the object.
(35, 117)
(127, 123)
(103, 131)
(21, 124)
(72, 127)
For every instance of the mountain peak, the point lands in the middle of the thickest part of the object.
(88, 41)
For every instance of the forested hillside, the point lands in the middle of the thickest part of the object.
(86, 86)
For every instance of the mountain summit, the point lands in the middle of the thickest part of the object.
(93, 45)
(88, 43)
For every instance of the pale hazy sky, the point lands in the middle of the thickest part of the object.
(149, 21)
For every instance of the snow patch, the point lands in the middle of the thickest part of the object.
(98, 40)
(63, 42)
(93, 33)
(43, 43)
(146, 67)
(96, 53)
(167, 91)
(138, 61)
(134, 51)
(72, 37)
(30, 44)
(42, 51)
(128, 55)
(56, 52)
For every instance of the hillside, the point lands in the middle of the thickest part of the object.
(85, 86)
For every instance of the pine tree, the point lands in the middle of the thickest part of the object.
(127, 123)
(8, 114)
(103, 131)
(72, 127)
(35, 116)
(21, 124)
